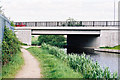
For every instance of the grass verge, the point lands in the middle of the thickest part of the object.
(115, 47)
(9, 70)
(53, 67)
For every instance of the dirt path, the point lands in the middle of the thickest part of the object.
(31, 67)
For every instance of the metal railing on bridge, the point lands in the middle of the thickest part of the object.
(68, 23)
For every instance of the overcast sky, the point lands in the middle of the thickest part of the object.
(52, 10)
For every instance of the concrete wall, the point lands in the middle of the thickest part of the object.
(24, 36)
(119, 11)
(109, 38)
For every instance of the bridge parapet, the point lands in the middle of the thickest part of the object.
(68, 23)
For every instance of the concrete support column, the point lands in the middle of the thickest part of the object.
(119, 11)
(24, 36)
(109, 38)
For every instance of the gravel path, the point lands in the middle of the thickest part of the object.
(31, 67)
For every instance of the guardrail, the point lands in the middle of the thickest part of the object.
(68, 23)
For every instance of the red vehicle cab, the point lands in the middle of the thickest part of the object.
(20, 24)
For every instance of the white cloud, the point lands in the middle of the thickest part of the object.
(38, 10)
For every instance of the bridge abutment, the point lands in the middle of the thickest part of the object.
(109, 38)
(24, 35)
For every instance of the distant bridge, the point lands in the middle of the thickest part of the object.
(79, 33)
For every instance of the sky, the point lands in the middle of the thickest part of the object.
(60, 10)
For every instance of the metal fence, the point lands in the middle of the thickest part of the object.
(4, 22)
(68, 23)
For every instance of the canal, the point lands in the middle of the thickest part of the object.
(105, 59)
(111, 60)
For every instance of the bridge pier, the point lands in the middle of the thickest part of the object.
(109, 38)
(24, 35)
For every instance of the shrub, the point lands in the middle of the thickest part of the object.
(10, 45)
(12, 24)
(35, 42)
(54, 40)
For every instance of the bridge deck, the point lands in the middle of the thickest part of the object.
(65, 30)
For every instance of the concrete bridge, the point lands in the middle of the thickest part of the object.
(79, 33)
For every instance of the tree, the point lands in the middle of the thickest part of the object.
(1, 10)
(54, 40)
(12, 24)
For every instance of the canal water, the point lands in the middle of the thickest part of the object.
(111, 60)
(105, 59)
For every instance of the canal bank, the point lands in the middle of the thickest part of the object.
(107, 50)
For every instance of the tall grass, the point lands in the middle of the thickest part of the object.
(9, 70)
(51, 66)
(83, 64)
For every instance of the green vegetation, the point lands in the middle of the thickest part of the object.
(24, 44)
(81, 64)
(53, 67)
(12, 24)
(54, 40)
(11, 56)
(115, 47)
(10, 46)
(35, 40)
(9, 70)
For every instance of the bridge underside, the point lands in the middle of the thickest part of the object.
(76, 43)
